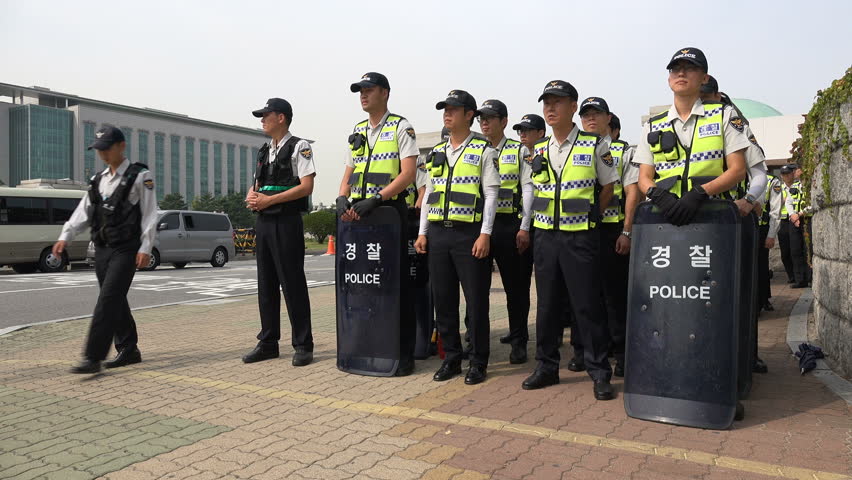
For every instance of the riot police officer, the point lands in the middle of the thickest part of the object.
(381, 172)
(513, 258)
(456, 224)
(572, 185)
(121, 210)
(283, 180)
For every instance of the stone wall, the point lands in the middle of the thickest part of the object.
(829, 171)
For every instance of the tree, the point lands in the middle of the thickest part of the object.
(173, 201)
(205, 203)
(235, 206)
(320, 224)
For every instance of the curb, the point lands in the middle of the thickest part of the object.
(797, 333)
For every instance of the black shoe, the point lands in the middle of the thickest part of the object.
(302, 358)
(260, 353)
(603, 390)
(505, 340)
(405, 368)
(468, 350)
(739, 413)
(791, 280)
(446, 372)
(576, 365)
(799, 285)
(618, 371)
(87, 366)
(127, 356)
(767, 307)
(475, 375)
(540, 379)
(759, 366)
(518, 354)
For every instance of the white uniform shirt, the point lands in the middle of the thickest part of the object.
(142, 192)
(303, 156)
(776, 199)
(406, 141)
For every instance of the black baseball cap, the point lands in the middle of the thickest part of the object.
(445, 133)
(597, 103)
(559, 88)
(458, 98)
(789, 168)
(712, 86)
(614, 123)
(492, 108)
(530, 121)
(106, 137)
(691, 55)
(278, 105)
(370, 79)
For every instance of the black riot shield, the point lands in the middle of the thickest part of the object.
(748, 304)
(419, 276)
(367, 272)
(682, 321)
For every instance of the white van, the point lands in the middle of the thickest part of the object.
(185, 236)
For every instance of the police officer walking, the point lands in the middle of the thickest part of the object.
(514, 262)
(572, 185)
(381, 172)
(456, 224)
(283, 180)
(121, 210)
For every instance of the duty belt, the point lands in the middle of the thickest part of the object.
(274, 188)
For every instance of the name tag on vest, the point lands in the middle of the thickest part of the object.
(509, 159)
(709, 130)
(386, 136)
(582, 160)
(471, 159)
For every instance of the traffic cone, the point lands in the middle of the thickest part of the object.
(331, 250)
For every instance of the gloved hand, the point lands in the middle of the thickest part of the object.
(664, 200)
(365, 206)
(342, 205)
(688, 206)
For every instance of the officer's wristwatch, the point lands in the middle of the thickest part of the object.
(626, 233)
(378, 197)
(751, 199)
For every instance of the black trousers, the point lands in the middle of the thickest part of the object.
(516, 274)
(450, 264)
(280, 246)
(784, 245)
(764, 291)
(570, 261)
(112, 320)
(798, 253)
(616, 270)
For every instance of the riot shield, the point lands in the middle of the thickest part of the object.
(682, 321)
(367, 271)
(748, 304)
(422, 297)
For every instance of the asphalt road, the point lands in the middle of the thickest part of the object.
(39, 297)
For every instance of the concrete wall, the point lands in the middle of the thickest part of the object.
(832, 248)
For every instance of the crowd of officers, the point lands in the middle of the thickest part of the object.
(559, 206)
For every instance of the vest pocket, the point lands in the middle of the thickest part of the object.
(576, 205)
(615, 201)
(701, 180)
(354, 178)
(668, 182)
(540, 203)
(378, 178)
(433, 198)
(462, 198)
(505, 193)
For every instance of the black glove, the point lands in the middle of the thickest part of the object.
(365, 206)
(664, 200)
(342, 205)
(688, 206)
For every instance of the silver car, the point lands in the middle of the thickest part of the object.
(187, 236)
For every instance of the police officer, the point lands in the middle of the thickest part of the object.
(283, 180)
(615, 228)
(456, 225)
(770, 221)
(509, 249)
(787, 207)
(121, 210)
(572, 186)
(800, 213)
(380, 172)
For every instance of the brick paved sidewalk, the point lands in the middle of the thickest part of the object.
(192, 409)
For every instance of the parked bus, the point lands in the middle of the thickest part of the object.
(31, 220)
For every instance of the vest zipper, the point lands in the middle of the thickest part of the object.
(557, 195)
(448, 188)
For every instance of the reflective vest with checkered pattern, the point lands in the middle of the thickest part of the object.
(380, 162)
(771, 183)
(464, 178)
(785, 192)
(799, 198)
(510, 172)
(614, 213)
(706, 155)
(572, 192)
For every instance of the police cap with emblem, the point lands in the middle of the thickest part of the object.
(458, 98)
(445, 133)
(370, 79)
(106, 137)
(278, 105)
(559, 88)
(789, 168)
(597, 103)
(691, 55)
(614, 123)
(530, 121)
(712, 86)
(493, 108)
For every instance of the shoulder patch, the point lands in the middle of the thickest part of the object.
(776, 188)
(149, 184)
(738, 124)
(307, 153)
(528, 158)
(607, 159)
(753, 140)
(410, 133)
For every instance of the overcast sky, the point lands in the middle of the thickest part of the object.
(218, 60)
